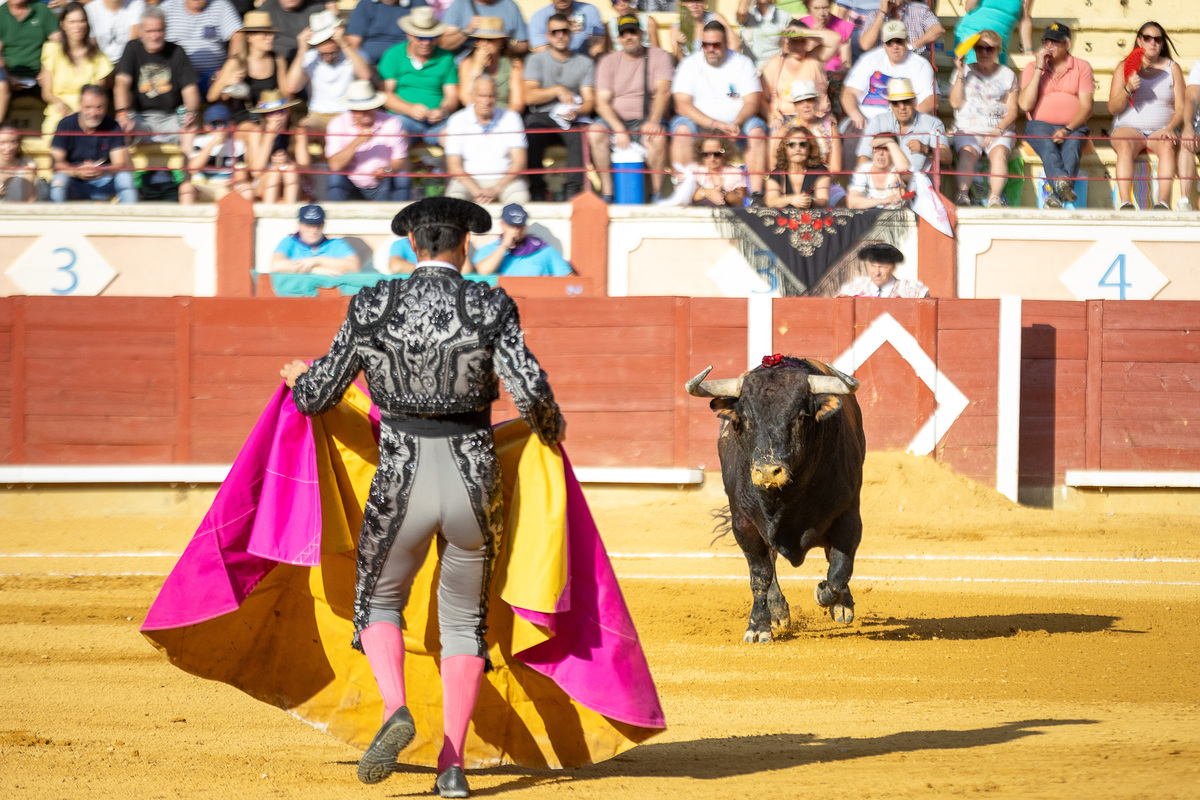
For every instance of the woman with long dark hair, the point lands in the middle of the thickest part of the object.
(69, 65)
(800, 179)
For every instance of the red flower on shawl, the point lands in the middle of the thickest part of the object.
(772, 361)
(817, 224)
(806, 218)
(781, 220)
(806, 236)
(793, 224)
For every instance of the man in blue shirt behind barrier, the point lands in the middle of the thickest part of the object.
(309, 260)
(518, 255)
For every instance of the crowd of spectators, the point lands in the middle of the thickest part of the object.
(812, 104)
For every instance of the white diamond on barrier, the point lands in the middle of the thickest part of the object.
(61, 265)
(1114, 269)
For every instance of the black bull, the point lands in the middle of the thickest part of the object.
(792, 449)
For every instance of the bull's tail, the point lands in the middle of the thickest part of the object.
(722, 523)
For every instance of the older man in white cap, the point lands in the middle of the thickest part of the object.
(420, 79)
(326, 64)
(922, 25)
(366, 149)
(922, 136)
(486, 150)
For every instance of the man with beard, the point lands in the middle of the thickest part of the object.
(91, 161)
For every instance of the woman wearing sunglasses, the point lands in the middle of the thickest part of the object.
(1147, 109)
(984, 98)
(800, 179)
(717, 182)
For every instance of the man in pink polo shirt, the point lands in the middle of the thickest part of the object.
(366, 149)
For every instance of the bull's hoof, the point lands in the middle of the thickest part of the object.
(826, 595)
(754, 637)
(841, 613)
(780, 626)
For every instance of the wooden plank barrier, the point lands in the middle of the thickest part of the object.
(1104, 385)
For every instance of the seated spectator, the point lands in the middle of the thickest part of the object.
(1147, 110)
(113, 24)
(69, 65)
(880, 280)
(309, 260)
(1000, 16)
(24, 27)
(821, 18)
(463, 16)
(687, 33)
(1057, 105)
(289, 18)
(717, 89)
(624, 8)
(18, 173)
(516, 253)
(805, 99)
(245, 76)
(865, 92)
(881, 181)
(218, 159)
(922, 24)
(718, 183)
(922, 136)
(419, 78)
(984, 98)
(402, 259)
(488, 58)
(325, 65)
(485, 150)
(802, 59)
(856, 12)
(95, 166)
(276, 157)
(559, 88)
(587, 29)
(367, 143)
(207, 30)
(1188, 141)
(800, 179)
(762, 23)
(153, 78)
(374, 26)
(633, 93)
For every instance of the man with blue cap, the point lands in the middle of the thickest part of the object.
(309, 260)
(517, 254)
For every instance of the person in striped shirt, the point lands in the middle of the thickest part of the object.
(207, 30)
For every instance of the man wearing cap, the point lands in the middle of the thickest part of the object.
(462, 20)
(762, 23)
(633, 93)
(326, 64)
(880, 280)
(587, 29)
(718, 90)
(218, 159)
(431, 348)
(922, 24)
(485, 150)
(289, 18)
(366, 149)
(309, 260)
(517, 254)
(560, 94)
(374, 26)
(420, 79)
(1057, 94)
(153, 78)
(923, 136)
(207, 30)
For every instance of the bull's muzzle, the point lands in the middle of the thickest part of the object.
(770, 476)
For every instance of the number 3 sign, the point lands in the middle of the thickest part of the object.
(61, 265)
(1114, 271)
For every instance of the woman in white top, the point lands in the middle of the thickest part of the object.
(984, 98)
(1151, 121)
(881, 181)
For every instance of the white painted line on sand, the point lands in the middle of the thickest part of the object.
(886, 578)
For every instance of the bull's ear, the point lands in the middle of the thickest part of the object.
(826, 406)
(724, 408)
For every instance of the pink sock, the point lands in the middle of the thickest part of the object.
(460, 688)
(383, 643)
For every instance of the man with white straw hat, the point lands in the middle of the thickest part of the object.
(326, 64)
(373, 26)
(289, 18)
(366, 149)
(420, 79)
(463, 16)
(922, 136)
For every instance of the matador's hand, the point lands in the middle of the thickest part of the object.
(292, 371)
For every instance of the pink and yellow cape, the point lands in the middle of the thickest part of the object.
(262, 599)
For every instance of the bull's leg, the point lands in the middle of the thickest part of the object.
(834, 592)
(762, 575)
(781, 615)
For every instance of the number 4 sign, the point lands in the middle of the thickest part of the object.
(1114, 270)
(61, 265)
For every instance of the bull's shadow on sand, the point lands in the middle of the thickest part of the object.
(711, 759)
(997, 626)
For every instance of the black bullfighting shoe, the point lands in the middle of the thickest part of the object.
(380, 759)
(452, 783)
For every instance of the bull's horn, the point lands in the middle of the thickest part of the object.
(830, 384)
(728, 387)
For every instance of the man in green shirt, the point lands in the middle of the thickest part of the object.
(24, 28)
(419, 78)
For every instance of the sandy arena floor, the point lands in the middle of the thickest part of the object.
(997, 650)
